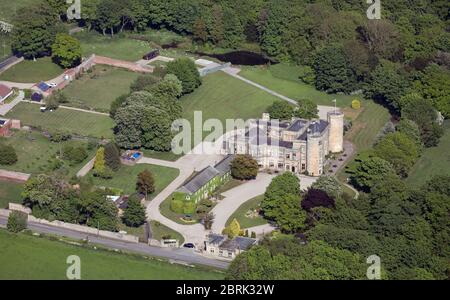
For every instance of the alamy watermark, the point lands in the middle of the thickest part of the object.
(374, 270)
(74, 10)
(374, 10)
(74, 270)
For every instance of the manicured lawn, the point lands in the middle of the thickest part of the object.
(365, 130)
(245, 221)
(36, 153)
(170, 156)
(28, 257)
(167, 212)
(30, 71)
(281, 78)
(160, 231)
(125, 178)
(9, 8)
(117, 47)
(10, 192)
(5, 45)
(224, 97)
(367, 125)
(75, 122)
(97, 90)
(434, 161)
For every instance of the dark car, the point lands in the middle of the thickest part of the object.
(151, 55)
(189, 245)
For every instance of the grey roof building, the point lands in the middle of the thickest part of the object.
(220, 246)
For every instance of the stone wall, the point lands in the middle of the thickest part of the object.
(75, 227)
(18, 207)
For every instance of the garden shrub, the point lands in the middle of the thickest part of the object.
(177, 206)
(356, 104)
(189, 207)
(8, 155)
(17, 221)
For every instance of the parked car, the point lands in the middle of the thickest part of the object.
(151, 55)
(52, 84)
(189, 245)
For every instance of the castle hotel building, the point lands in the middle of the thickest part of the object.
(300, 146)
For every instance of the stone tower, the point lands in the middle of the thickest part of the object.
(336, 138)
(313, 154)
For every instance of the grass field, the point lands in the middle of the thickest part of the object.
(75, 122)
(365, 130)
(125, 178)
(118, 47)
(9, 8)
(5, 46)
(224, 97)
(160, 231)
(245, 221)
(28, 257)
(10, 192)
(97, 90)
(29, 71)
(281, 78)
(35, 153)
(434, 161)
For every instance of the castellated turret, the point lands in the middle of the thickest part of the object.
(314, 163)
(336, 138)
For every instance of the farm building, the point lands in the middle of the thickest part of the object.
(204, 183)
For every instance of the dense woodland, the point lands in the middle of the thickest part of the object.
(407, 51)
(401, 61)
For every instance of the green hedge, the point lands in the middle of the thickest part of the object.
(177, 206)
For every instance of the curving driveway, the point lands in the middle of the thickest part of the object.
(233, 198)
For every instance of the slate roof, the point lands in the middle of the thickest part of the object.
(205, 175)
(199, 180)
(297, 125)
(224, 165)
(215, 239)
(314, 128)
(239, 242)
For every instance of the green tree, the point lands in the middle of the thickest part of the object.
(145, 183)
(186, 71)
(387, 85)
(8, 155)
(134, 213)
(333, 70)
(281, 203)
(233, 229)
(112, 156)
(307, 109)
(244, 167)
(280, 110)
(170, 86)
(99, 164)
(370, 171)
(329, 185)
(66, 51)
(433, 86)
(400, 150)
(425, 116)
(410, 129)
(34, 31)
(17, 221)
